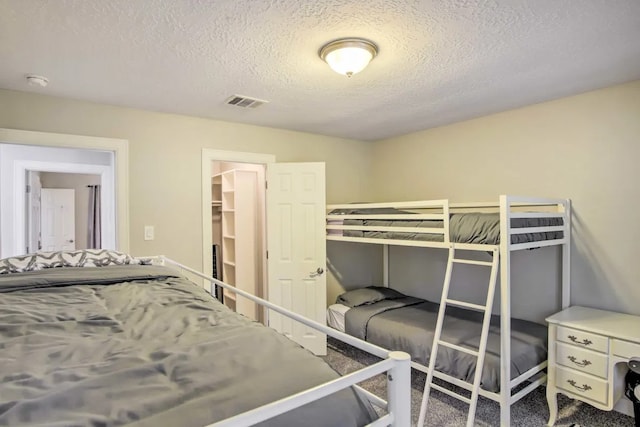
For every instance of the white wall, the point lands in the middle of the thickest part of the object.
(79, 183)
(10, 156)
(584, 147)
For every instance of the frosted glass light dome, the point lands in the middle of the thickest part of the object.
(348, 56)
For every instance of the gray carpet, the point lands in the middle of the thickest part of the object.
(444, 410)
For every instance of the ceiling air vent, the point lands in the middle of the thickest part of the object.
(245, 101)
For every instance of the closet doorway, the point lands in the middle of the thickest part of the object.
(238, 232)
(229, 230)
(292, 276)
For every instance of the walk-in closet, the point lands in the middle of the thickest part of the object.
(238, 232)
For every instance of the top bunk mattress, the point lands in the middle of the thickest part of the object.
(473, 227)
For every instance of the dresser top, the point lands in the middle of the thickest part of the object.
(609, 323)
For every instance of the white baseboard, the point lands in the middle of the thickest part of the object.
(624, 406)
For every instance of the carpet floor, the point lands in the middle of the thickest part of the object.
(446, 411)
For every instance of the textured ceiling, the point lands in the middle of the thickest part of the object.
(440, 61)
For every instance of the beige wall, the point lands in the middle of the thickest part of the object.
(165, 161)
(79, 183)
(585, 147)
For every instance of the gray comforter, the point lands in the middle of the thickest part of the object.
(141, 345)
(408, 324)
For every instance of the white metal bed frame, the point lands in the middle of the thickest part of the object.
(509, 207)
(396, 364)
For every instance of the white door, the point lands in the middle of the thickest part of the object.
(297, 249)
(58, 226)
(33, 211)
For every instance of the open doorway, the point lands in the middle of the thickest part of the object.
(24, 151)
(18, 160)
(238, 232)
(234, 229)
(64, 211)
(294, 234)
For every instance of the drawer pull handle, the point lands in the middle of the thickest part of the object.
(584, 342)
(582, 364)
(585, 387)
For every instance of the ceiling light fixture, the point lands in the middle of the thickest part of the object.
(348, 56)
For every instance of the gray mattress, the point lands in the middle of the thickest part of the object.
(475, 227)
(408, 324)
(143, 346)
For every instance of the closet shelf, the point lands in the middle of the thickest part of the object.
(236, 233)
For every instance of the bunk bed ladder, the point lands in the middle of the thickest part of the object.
(480, 353)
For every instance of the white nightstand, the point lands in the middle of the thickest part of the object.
(588, 351)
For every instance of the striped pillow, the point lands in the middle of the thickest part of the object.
(78, 258)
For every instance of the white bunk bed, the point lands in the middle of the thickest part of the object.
(528, 221)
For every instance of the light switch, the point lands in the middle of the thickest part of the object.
(148, 232)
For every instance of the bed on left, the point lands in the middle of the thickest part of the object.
(98, 337)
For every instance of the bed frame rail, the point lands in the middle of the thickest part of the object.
(515, 207)
(437, 210)
(396, 364)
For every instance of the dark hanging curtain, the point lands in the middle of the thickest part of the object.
(94, 240)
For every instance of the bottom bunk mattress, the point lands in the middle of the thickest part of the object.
(142, 345)
(387, 318)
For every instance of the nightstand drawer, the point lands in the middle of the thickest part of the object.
(582, 384)
(625, 349)
(581, 359)
(583, 339)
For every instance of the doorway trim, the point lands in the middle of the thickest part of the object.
(210, 155)
(120, 150)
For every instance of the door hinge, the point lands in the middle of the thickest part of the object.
(266, 185)
(28, 189)
(267, 254)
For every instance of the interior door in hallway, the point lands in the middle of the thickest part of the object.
(58, 219)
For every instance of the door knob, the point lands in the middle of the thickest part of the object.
(70, 241)
(319, 271)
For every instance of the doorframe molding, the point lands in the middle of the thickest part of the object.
(120, 150)
(210, 155)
